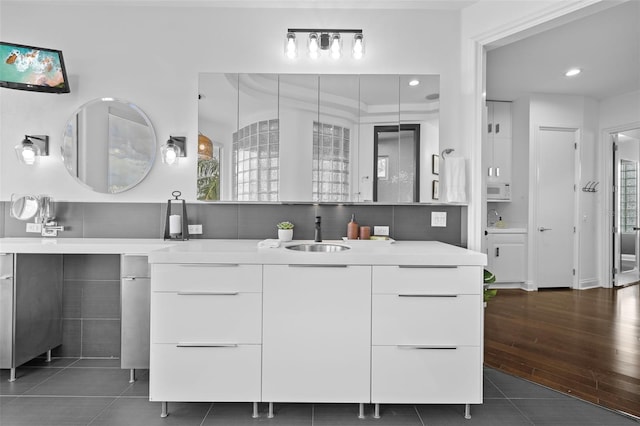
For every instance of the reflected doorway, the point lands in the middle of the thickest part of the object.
(626, 230)
(396, 166)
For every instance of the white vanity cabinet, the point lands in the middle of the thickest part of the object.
(507, 256)
(317, 333)
(206, 332)
(135, 293)
(426, 335)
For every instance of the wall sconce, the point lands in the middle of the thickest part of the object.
(32, 148)
(174, 149)
(320, 40)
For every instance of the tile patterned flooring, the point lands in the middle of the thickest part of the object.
(97, 392)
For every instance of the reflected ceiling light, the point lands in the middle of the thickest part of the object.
(573, 72)
(320, 40)
(358, 46)
(414, 82)
(174, 149)
(32, 148)
(291, 46)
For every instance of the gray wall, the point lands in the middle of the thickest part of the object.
(253, 221)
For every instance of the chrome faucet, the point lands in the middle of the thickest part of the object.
(318, 232)
(491, 223)
(50, 227)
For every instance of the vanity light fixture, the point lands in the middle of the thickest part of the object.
(32, 148)
(573, 72)
(320, 40)
(174, 149)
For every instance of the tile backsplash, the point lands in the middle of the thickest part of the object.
(252, 221)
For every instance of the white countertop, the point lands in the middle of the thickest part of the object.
(246, 251)
(361, 253)
(493, 230)
(82, 245)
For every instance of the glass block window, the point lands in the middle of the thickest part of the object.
(331, 147)
(256, 159)
(628, 195)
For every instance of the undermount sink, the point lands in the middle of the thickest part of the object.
(323, 248)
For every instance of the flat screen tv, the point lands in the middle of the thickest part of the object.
(32, 68)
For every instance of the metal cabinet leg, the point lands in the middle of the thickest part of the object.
(467, 411)
(165, 410)
(12, 375)
(132, 375)
(255, 410)
(49, 355)
(270, 415)
(361, 411)
(376, 411)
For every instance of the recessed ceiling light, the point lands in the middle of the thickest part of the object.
(414, 82)
(572, 72)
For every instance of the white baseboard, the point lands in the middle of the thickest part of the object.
(587, 283)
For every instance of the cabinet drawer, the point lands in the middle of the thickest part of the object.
(207, 277)
(201, 317)
(6, 265)
(134, 265)
(429, 280)
(426, 375)
(410, 319)
(225, 374)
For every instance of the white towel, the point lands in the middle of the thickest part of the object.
(453, 185)
(269, 243)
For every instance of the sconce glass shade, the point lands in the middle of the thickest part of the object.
(31, 149)
(358, 46)
(173, 150)
(336, 46)
(291, 46)
(314, 46)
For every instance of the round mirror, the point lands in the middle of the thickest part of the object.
(109, 145)
(24, 207)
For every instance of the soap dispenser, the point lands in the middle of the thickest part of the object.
(500, 223)
(352, 228)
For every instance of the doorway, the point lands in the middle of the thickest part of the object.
(626, 222)
(396, 163)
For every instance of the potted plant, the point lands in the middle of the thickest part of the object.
(285, 231)
(489, 293)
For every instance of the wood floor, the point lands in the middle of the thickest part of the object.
(581, 342)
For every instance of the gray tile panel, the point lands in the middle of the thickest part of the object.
(73, 382)
(71, 339)
(123, 220)
(493, 412)
(568, 411)
(336, 218)
(139, 411)
(91, 267)
(239, 414)
(259, 221)
(26, 379)
(101, 338)
(347, 415)
(414, 223)
(217, 220)
(101, 299)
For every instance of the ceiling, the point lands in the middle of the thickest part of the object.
(605, 45)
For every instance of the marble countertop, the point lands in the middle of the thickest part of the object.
(246, 251)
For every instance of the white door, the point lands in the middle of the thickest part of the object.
(555, 208)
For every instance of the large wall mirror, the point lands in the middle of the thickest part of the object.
(315, 138)
(109, 145)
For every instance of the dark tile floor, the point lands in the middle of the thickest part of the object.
(97, 392)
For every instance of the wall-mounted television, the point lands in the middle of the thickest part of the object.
(32, 68)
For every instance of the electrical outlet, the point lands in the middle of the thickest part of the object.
(195, 229)
(34, 227)
(381, 230)
(438, 219)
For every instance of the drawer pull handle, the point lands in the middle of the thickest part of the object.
(427, 266)
(427, 295)
(427, 347)
(208, 265)
(6, 277)
(317, 266)
(206, 345)
(208, 293)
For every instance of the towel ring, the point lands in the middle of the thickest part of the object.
(447, 151)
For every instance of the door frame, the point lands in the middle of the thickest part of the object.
(533, 256)
(606, 153)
